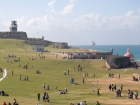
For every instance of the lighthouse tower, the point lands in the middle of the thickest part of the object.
(13, 27)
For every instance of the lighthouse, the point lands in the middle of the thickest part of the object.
(13, 27)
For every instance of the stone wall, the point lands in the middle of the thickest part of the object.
(13, 35)
(117, 61)
(38, 41)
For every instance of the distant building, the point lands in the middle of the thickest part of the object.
(37, 48)
(85, 55)
(103, 54)
(60, 45)
(13, 33)
(129, 54)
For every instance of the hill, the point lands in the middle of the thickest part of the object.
(52, 74)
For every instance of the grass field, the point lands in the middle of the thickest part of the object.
(25, 92)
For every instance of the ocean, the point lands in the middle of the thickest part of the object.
(117, 49)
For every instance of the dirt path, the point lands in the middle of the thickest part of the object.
(120, 100)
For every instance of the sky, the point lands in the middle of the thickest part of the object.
(77, 22)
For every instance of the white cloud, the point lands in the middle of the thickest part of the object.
(50, 8)
(55, 29)
(50, 4)
(68, 9)
(129, 13)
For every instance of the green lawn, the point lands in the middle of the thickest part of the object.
(26, 91)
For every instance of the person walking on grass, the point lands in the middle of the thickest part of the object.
(97, 81)
(20, 76)
(12, 73)
(119, 76)
(44, 97)
(4, 103)
(38, 96)
(98, 92)
(93, 88)
(44, 85)
(97, 103)
(66, 89)
(83, 80)
(9, 103)
(68, 71)
(110, 87)
(136, 94)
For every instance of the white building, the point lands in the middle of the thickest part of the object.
(37, 48)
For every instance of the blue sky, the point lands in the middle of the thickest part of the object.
(78, 22)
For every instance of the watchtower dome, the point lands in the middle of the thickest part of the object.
(13, 27)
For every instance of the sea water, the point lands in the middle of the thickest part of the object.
(117, 49)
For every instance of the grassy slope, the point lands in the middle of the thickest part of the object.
(26, 91)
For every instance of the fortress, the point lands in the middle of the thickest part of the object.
(13, 33)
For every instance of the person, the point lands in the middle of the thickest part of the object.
(24, 78)
(94, 75)
(44, 97)
(98, 92)
(121, 87)
(15, 102)
(66, 89)
(48, 87)
(38, 96)
(97, 81)
(128, 92)
(83, 80)
(47, 97)
(110, 87)
(64, 72)
(97, 103)
(27, 78)
(20, 76)
(12, 73)
(81, 103)
(44, 85)
(93, 88)
(115, 87)
(68, 71)
(138, 79)
(136, 94)
(119, 76)
(9, 103)
(4, 103)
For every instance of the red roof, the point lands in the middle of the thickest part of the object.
(128, 54)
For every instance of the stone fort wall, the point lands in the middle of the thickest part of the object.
(13, 35)
(38, 41)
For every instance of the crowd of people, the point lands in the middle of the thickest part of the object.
(112, 87)
(9, 103)
(131, 94)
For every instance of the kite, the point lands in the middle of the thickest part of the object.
(93, 43)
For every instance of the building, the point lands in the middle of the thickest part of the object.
(60, 45)
(103, 54)
(129, 54)
(117, 61)
(37, 48)
(13, 33)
